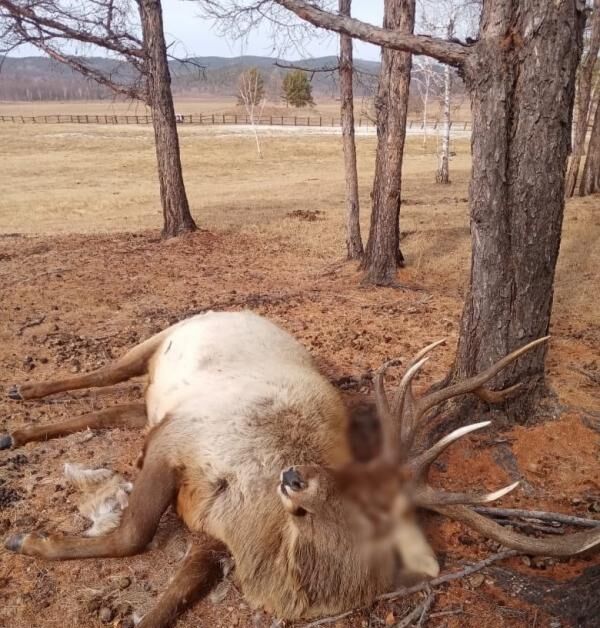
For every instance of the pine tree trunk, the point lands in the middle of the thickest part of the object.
(590, 177)
(354, 246)
(443, 173)
(176, 211)
(383, 255)
(584, 105)
(522, 113)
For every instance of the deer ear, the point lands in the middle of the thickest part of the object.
(415, 552)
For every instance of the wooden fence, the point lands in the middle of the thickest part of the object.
(215, 119)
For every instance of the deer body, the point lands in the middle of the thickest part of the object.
(250, 443)
(243, 400)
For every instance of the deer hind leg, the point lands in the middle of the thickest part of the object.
(201, 570)
(131, 415)
(152, 493)
(132, 364)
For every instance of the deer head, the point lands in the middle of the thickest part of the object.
(376, 502)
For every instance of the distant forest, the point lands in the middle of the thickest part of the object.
(42, 79)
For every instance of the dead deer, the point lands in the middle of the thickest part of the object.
(249, 441)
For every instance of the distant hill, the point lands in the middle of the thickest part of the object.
(41, 78)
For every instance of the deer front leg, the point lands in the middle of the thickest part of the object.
(201, 570)
(152, 493)
(131, 415)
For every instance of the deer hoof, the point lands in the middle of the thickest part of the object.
(14, 543)
(6, 441)
(14, 393)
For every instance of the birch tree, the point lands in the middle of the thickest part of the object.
(447, 18)
(427, 80)
(252, 95)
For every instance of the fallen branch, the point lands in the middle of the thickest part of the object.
(450, 577)
(426, 606)
(541, 515)
(329, 620)
(418, 612)
(528, 525)
(33, 323)
(423, 586)
(452, 611)
(55, 271)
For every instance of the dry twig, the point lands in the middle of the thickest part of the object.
(426, 606)
(31, 323)
(418, 612)
(455, 575)
(541, 515)
(423, 586)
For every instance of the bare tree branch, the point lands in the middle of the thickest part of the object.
(448, 52)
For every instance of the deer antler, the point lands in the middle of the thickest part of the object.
(400, 421)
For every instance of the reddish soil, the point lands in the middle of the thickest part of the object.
(73, 303)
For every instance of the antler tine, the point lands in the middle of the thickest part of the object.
(425, 351)
(403, 406)
(475, 383)
(403, 403)
(426, 496)
(381, 399)
(567, 545)
(405, 383)
(420, 464)
(430, 498)
(397, 425)
(389, 428)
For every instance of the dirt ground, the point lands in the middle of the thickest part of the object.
(73, 301)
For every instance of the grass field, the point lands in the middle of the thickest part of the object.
(85, 276)
(205, 105)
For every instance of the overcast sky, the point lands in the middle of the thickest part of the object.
(199, 37)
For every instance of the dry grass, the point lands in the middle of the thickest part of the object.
(88, 178)
(205, 105)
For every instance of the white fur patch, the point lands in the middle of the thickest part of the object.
(104, 496)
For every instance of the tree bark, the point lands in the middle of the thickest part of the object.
(590, 177)
(383, 255)
(522, 113)
(354, 246)
(176, 210)
(583, 104)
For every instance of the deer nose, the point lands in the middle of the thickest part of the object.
(291, 479)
